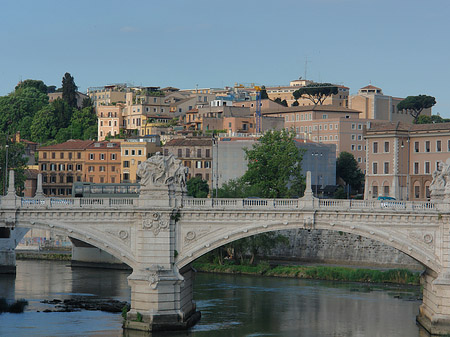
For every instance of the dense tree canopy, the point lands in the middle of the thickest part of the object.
(16, 162)
(197, 187)
(316, 92)
(282, 102)
(69, 90)
(274, 166)
(36, 84)
(415, 104)
(423, 119)
(347, 169)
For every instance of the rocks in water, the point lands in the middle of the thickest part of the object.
(87, 303)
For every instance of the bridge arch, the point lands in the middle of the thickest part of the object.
(96, 239)
(394, 240)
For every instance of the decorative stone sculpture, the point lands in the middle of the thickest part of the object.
(162, 173)
(440, 186)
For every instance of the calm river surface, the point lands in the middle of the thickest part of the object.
(230, 305)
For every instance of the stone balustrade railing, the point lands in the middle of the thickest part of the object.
(233, 204)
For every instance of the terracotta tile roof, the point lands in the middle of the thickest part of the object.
(304, 108)
(398, 126)
(370, 86)
(189, 142)
(104, 145)
(72, 144)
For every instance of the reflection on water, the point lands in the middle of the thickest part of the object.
(230, 305)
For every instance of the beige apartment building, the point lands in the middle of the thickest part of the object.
(196, 155)
(328, 125)
(108, 94)
(102, 163)
(402, 157)
(110, 120)
(373, 104)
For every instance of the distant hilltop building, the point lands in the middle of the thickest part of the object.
(373, 104)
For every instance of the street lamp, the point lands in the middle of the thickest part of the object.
(6, 168)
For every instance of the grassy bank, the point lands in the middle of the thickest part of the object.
(398, 276)
(43, 256)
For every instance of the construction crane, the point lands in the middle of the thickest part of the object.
(258, 109)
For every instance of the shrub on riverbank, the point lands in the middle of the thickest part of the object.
(399, 276)
(15, 308)
(43, 256)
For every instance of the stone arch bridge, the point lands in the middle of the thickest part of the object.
(160, 233)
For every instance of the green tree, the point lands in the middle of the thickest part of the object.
(415, 104)
(69, 90)
(197, 187)
(263, 93)
(16, 162)
(36, 84)
(347, 169)
(295, 103)
(237, 188)
(433, 119)
(18, 108)
(316, 92)
(282, 102)
(87, 103)
(274, 166)
(44, 126)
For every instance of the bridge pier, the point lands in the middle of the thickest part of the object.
(434, 312)
(161, 300)
(9, 238)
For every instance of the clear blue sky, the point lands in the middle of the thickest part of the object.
(401, 46)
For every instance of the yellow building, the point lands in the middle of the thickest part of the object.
(134, 152)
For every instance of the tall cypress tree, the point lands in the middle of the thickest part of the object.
(69, 90)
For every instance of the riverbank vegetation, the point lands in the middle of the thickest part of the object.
(16, 308)
(43, 256)
(329, 273)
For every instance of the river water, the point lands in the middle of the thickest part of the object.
(230, 305)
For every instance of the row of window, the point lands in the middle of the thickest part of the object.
(426, 146)
(386, 191)
(188, 153)
(416, 167)
(101, 168)
(53, 179)
(61, 167)
(61, 155)
(102, 156)
(109, 123)
(133, 152)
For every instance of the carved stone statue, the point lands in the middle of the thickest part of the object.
(160, 171)
(440, 186)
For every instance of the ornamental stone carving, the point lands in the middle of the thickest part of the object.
(155, 223)
(440, 186)
(161, 171)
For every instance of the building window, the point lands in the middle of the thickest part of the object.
(188, 153)
(91, 156)
(78, 155)
(359, 160)
(79, 167)
(91, 168)
(198, 164)
(386, 190)
(417, 191)
(375, 168)
(113, 180)
(126, 163)
(386, 167)
(180, 153)
(133, 152)
(207, 164)
(416, 168)
(359, 148)
(427, 146)
(102, 169)
(427, 167)
(353, 147)
(416, 146)
(208, 153)
(44, 155)
(375, 147)
(61, 155)
(359, 126)
(113, 169)
(353, 126)
(386, 147)
(353, 137)
(70, 155)
(113, 156)
(438, 146)
(102, 156)
(199, 153)
(359, 137)
(139, 152)
(102, 180)
(126, 152)
(375, 191)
